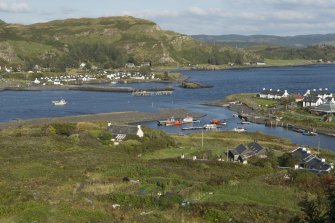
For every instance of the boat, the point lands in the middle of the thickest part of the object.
(163, 122)
(174, 123)
(211, 126)
(61, 102)
(245, 122)
(218, 122)
(239, 129)
(309, 133)
(189, 119)
(235, 115)
(299, 130)
(170, 122)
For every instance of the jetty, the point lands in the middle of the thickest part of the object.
(151, 93)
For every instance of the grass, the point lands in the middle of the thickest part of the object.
(292, 62)
(47, 176)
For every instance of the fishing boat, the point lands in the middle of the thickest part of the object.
(218, 122)
(163, 122)
(170, 122)
(61, 102)
(174, 123)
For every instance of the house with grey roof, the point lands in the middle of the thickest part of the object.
(326, 108)
(270, 94)
(307, 161)
(312, 101)
(121, 131)
(241, 153)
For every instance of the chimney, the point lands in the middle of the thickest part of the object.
(326, 89)
(271, 89)
(320, 89)
(303, 149)
(278, 90)
(182, 156)
(263, 88)
(194, 158)
(323, 160)
(109, 124)
(308, 152)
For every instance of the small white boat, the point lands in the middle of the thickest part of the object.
(61, 102)
(113, 82)
(189, 119)
(245, 122)
(239, 129)
(235, 115)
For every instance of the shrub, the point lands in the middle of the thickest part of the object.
(170, 201)
(66, 129)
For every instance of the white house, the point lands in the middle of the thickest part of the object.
(321, 93)
(36, 81)
(270, 94)
(57, 82)
(312, 101)
(126, 130)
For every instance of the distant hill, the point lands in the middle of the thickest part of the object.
(253, 40)
(107, 42)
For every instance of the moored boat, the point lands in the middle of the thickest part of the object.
(239, 129)
(309, 133)
(189, 119)
(218, 122)
(59, 103)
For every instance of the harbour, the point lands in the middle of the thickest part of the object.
(36, 104)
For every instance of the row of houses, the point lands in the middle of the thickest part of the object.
(128, 75)
(303, 158)
(59, 80)
(271, 94)
(312, 98)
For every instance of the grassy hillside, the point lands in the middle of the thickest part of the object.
(71, 172)
(109, 42)
(286, 41)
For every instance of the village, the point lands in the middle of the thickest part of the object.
(82, 75)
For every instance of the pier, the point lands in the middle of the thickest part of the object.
(151, 93)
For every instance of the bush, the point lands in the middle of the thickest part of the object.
(170, 201)
(66, 129)
(214, 215)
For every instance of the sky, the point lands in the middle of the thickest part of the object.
(214, 17)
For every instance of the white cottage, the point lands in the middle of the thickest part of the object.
(270, 94)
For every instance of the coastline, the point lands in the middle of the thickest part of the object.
(254, 116)
(118, 118)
